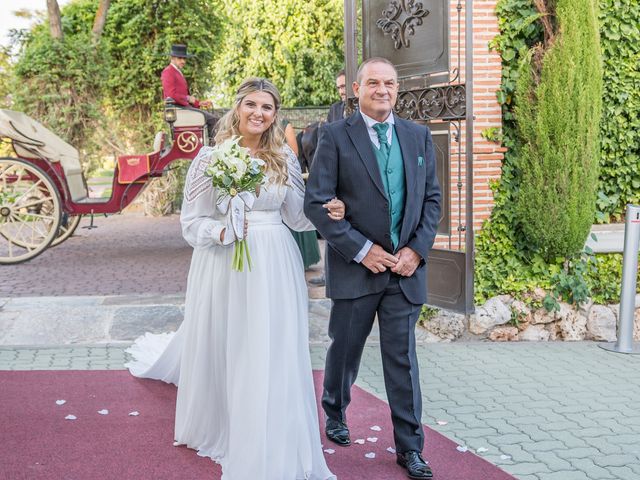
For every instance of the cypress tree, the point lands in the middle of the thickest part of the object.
(558, 113)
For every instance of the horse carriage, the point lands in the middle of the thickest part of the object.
(43, 192)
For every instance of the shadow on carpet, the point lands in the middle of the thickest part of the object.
(37, 442)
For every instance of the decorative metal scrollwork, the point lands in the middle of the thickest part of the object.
(446, 103)
(391, 24)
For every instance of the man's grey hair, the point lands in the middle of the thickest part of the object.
(373, 60)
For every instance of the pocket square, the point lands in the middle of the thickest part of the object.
(420, 161)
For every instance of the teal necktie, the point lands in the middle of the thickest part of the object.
(381, 130)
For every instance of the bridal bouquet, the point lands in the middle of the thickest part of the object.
(236, 176)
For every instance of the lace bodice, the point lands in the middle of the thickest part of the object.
(202, 222)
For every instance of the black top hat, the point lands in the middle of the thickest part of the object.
(180, 51)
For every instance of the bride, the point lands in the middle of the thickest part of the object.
(240, 358)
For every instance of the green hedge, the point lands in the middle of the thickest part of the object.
(505, 263)
(98, 96)
(620, 162)
(558, 110)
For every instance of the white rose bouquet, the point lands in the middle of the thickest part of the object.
(236, 176)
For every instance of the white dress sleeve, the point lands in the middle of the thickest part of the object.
(292, 207)
(201, 223)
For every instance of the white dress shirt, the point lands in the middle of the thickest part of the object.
(177, 69)
(373, 135)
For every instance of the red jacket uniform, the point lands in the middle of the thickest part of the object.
(174, 85)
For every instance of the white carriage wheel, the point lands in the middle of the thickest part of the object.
(65, 231)
(30, 211)
(68, 225)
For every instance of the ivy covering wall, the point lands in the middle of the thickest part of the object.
(505, 259)
(620, 129)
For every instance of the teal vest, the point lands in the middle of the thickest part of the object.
(392, 172)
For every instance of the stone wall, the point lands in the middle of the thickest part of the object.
(503, 319)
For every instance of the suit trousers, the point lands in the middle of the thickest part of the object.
(350, 324)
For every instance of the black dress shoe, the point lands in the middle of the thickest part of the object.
(416, 466)
(337, 432)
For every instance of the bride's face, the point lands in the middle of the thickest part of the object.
(257, 111)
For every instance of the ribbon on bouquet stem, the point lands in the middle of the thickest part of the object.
(234, 207)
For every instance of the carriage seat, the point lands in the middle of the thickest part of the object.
(184, 116)
(189, 118)
(31, 140)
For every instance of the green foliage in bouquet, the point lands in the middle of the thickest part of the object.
(236, 176)
(232, 170)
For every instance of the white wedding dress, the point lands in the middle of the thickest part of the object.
(241, 357)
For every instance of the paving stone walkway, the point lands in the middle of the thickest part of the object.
(126, 254)
(541, 411)
(552, 411)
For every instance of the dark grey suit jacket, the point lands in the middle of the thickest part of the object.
(345, 166)
(336, 112)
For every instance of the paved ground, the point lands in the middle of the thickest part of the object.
(82, 320)
(126, 254)
(549, 411)
(540, 411)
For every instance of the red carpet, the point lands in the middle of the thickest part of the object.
(36, 442)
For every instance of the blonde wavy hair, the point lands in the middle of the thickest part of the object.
(272, 141)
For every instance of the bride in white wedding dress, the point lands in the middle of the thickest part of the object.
(240, 358)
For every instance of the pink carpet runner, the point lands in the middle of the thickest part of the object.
(37, 442)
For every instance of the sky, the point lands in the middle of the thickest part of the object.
(9, 21)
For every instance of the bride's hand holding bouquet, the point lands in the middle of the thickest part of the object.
(237, 177)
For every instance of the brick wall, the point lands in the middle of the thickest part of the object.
(487, 156)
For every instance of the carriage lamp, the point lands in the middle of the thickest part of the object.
(170, 110)
(169, 114)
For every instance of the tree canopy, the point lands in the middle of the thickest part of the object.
(102, 93)
(298, 44)
(80, 84)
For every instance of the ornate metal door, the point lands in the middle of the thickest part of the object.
(418, 37)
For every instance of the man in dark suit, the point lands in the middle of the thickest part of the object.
(175, 86)
(383, 168)
(336, 110)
